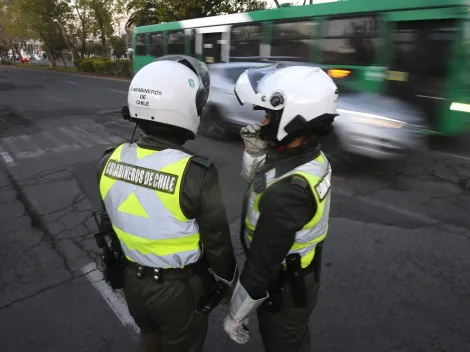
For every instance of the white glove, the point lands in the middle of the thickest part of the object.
(237, 331)
(253, 144)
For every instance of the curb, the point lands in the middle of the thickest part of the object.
(82, 74)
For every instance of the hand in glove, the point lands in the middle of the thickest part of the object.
(253, 144)
(241, 306)
(237, 331)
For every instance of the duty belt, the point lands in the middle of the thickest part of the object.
(159, 274)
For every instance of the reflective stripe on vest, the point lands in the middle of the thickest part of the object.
(318, 174)
(141, 193)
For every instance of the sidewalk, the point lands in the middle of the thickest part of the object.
(71, 70)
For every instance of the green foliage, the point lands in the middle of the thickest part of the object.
(103, 66)
(145, 12)
(118, 45)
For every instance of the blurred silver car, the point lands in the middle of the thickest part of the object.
(378, 126)
(223, 116)
(368, 124)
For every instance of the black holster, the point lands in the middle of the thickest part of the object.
(316, 264)
(294, 275)
(112, 258)
(296, 280)
(216, 292)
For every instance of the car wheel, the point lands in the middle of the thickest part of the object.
(212, 126)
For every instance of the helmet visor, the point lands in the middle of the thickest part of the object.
(256, 75)
(200, 69)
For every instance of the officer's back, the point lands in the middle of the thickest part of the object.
(164, 205)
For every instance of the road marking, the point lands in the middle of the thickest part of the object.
(81, 136)
(115, 300)
(54, 98)
(6, 156)
(466, 158)
(423, 218)
(117, 91)
(70, 82)
(24, 139)
(61, 147)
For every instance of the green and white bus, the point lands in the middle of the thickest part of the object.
(417, 50)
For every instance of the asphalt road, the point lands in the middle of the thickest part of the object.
(396, 267)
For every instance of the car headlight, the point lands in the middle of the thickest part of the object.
(372, 119)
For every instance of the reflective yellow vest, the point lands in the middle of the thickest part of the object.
(318, 174)
(141, 193)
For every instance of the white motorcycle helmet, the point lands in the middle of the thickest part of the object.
(172, 90)
(298, 98)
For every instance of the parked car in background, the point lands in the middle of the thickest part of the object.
(368, 124)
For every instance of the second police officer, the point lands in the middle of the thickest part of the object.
(165, 206)
(286, 208)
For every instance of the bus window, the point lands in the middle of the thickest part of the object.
(176, 43)
(193, 42)
(351, 41)
(419, 67)
(466, 50)
(156, 44)
(293, 39)
(140, 45)
(245, 40)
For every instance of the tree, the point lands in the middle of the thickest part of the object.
(157, 11)
(119, 46)
(67, 40)
(41, 17)
(81, 10)
(142, 13)
(13, 29)
(94, 49)
(103, 14)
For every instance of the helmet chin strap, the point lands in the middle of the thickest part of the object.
(268, 133)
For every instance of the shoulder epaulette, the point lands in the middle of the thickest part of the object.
(109, 150)
(299, 181)
(201, 161)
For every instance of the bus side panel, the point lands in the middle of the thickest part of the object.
(456, 114)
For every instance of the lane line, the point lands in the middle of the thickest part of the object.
(54, 98)
(115, 300)
(70, 82)
(117, 91)
(6, 156)
(411, 214)
(460, 157)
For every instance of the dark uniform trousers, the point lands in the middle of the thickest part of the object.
(287, 330)
(165, 311)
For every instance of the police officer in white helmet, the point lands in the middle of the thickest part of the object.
(286, 208)
(165, 207)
